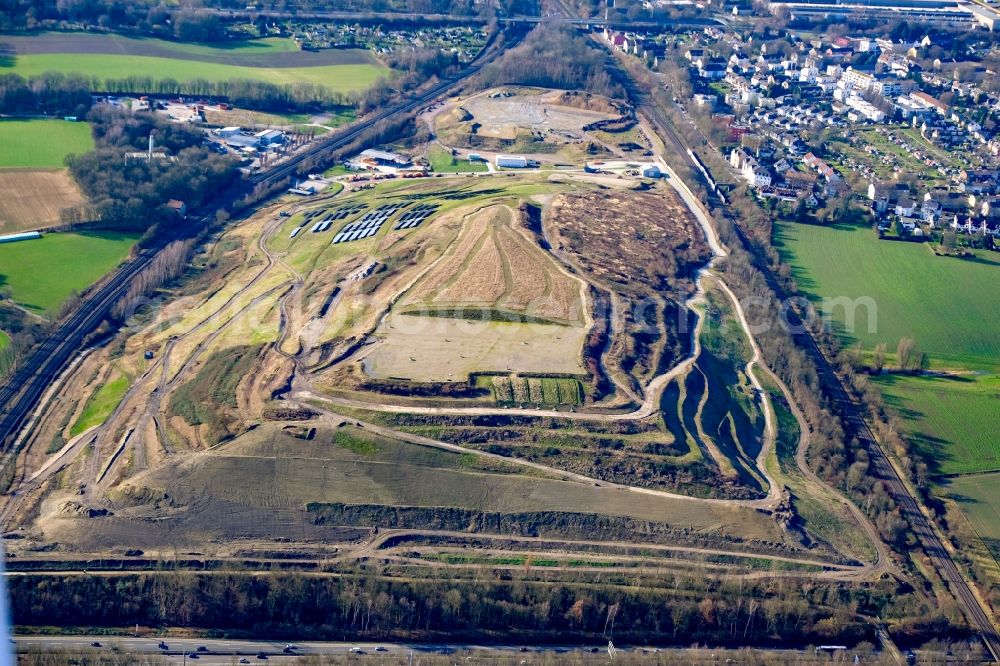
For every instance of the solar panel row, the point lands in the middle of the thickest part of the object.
(368, 225)
(413, 218)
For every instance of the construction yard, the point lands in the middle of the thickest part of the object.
(550, 125)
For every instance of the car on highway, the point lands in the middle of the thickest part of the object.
(381, 648)
(202, 648)
(95, 644)
(261, 655)
(356, 650)
(163, 646)
(193, 655)
(244, 660)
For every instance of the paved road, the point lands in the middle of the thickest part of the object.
(226, 651)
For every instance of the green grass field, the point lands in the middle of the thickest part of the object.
(954, 419)
(41, 143)
(441, 161)
(101, 404)
(343, 78)
(43, 273)
(979, 498)
(945, 304)
(4, 339)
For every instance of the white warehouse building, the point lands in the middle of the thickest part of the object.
(512, 161)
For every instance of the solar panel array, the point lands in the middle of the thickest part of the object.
(368, 225)
(413, 217)
(331, 216)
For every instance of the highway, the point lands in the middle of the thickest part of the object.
(844, 405)
(220, 651)
(223, 651)
(23, 391)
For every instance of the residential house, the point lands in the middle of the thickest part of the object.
(713, 69)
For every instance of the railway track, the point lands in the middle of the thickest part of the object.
(847, 408)
(23, 391)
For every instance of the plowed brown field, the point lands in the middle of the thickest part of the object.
(32, 199)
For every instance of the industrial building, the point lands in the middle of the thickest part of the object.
(236, 139)
(512, 161)
(950, 13)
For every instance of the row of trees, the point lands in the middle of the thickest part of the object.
(361, 605)
(168, 265)
(51, 93)
(201, 24)
(418, 67)
(57, 94)
(149, 16)
(248, 93)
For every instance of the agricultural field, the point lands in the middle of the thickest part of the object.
(33, 199)
(951, 418)
(42, 274)
(42, 143)
(272, 60)
(902, 290)
(978, 496)
(34, 186)
(86, 42)
(337, 78)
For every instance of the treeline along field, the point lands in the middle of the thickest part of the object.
(152, 17)
(359, 605)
